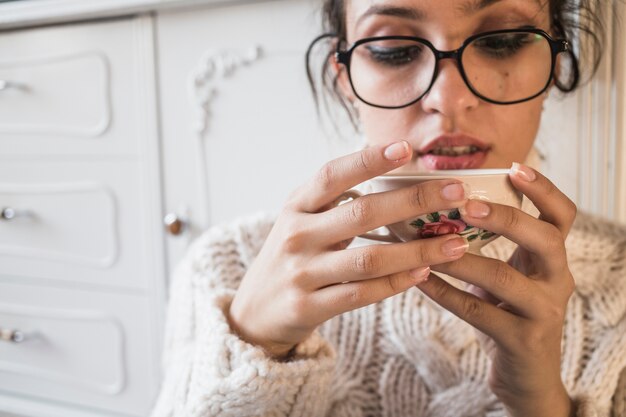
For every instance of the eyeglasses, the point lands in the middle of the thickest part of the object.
(501, 67)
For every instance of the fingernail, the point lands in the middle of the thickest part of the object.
(455, 192)
(420, 274)
(523, 172)
(397, 151)
(455, 247)
(475, 209)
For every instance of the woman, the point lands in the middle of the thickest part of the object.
(286, 317)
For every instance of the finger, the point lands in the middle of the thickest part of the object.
(555, 207)
(482, 294)
(343, 173)
(536, 236)
(489, 319)
(340, 298)
(499, 280)
(367, 262)
(378, 209)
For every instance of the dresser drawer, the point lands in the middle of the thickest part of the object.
(77, 347)
(85, 222)
(71, 89)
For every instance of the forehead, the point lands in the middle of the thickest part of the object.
(358, 10)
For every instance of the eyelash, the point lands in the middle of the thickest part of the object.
(506, 46)
(513, 43)
(395, 56)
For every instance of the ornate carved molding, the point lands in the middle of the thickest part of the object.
(212, 68)
(204, 82)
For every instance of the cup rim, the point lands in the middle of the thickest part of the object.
(451, 173)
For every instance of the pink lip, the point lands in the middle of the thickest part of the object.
(442, 162)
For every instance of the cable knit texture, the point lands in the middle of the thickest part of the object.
(405, 356)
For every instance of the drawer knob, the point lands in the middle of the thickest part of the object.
(11, 335)
(173, 224)
(9, 213)
(5, 85)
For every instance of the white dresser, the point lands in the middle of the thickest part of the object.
(82, 265)
(116, 114)
(106, 127)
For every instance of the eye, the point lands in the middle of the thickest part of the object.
(394, 56)
(504, 45)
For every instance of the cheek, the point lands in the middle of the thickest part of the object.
(528, 121)
(518, 129)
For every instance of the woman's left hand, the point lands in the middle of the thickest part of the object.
(518, 305)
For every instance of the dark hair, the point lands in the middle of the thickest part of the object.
(571, 19)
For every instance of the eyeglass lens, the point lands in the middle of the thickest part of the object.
(504, 67)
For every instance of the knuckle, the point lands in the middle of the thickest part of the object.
(422, 252)
(365, 162)
(511, 220)
(553, 240)
(298, 306)
(300, 276)
(556, 313)
(354, 297)
(359, 212)
(292, 201)
(570, 285)
(471, 307)
(532, 340)
(572, 210)
(551, 189)
(394, 284)
(553, 318)
(295, 240)
(368, 262)
(441, 291)
(325, 177)
(552, 310)
(417, 197)
(502, 275)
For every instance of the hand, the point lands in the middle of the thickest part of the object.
(304, 275)
(518, 305)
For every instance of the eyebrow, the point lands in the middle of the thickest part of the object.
(467, 8)
(471, 7)
(395, 11)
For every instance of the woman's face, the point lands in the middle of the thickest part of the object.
(449, 114)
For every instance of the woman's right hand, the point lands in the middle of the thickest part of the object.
(304, 275)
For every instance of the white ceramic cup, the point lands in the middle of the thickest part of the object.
(492, 185)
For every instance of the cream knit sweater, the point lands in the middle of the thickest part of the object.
(402, 357)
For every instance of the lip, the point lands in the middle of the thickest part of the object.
(457, 139)
(443, 162)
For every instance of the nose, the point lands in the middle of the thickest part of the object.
(449, 94)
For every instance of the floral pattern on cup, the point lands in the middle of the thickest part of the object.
(438, 223)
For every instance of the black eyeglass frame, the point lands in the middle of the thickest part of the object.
(557, 46)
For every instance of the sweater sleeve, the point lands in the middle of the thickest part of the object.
(619, 399)
(208, 370)
(595, 353)
(586, 407)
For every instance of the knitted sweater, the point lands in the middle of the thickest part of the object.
(404, 356)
